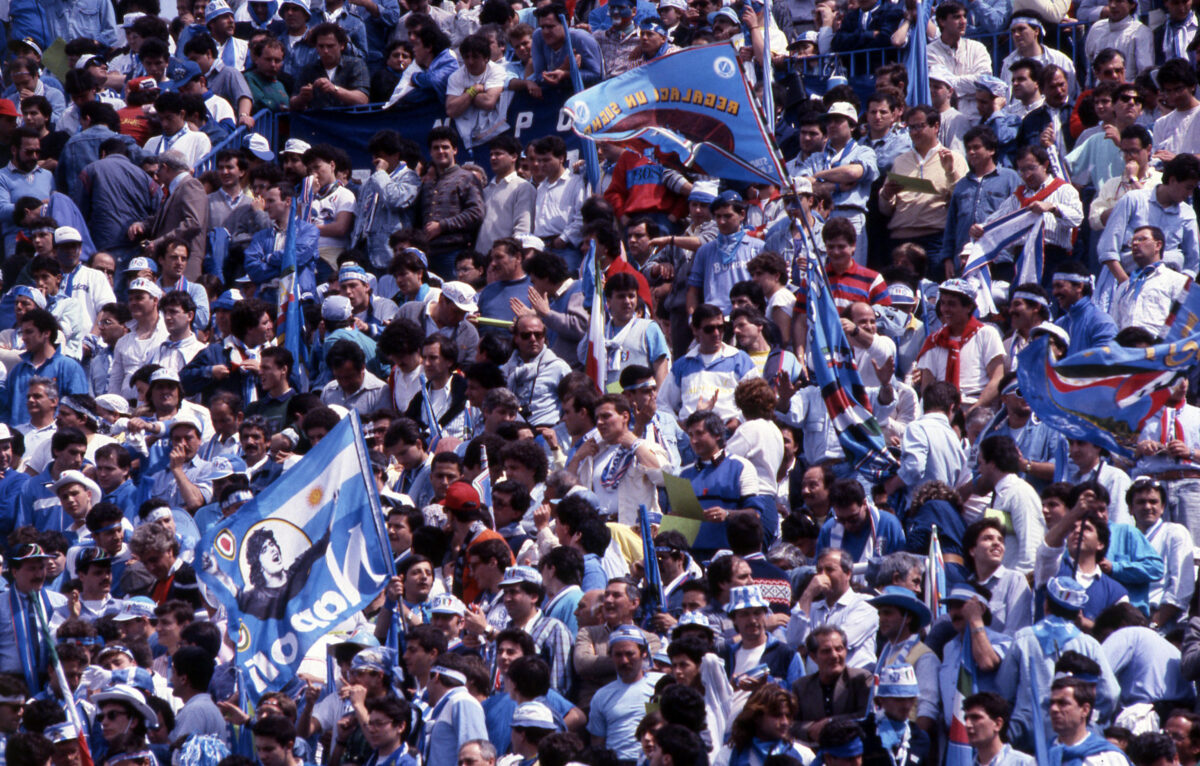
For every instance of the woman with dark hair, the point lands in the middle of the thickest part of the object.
(759, 440)
(763, 729)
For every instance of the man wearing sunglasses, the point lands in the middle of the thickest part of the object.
(533, 372)
(707, 375)
(22, 178)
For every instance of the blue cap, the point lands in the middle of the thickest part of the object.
(1067, 593)
(142, 263)
(627, 633)
(186, 72)
(903, 598)
(32, 293)
(653, 25)
(898, 680)
(726, 13)
(227, 300)
(353, 271)
(746, 597)
(521, 574)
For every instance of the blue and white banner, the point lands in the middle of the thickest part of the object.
(693, 106)
(305, 554)
(1103, 395)
(999, 236)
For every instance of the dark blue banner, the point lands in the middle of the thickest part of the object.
(350, 129)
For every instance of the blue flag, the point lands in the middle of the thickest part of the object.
(916, 60)
(299, 558)
(1184, 319)
(656, 600)
(832, 361)
(693, 106)
(590, 157)
(1103, 395)
(290, 316)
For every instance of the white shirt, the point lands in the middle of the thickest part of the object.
(325, 210)
(964, 63)
(192, 143)
(852, 613)
(973, 360)
(1131, 37)
(1177, 131)
(761, 443)
(554, 203)
(130, 354)
(881, 349)
(1021, 502)
(90, 287)
(1059, 228)
(931, 450)
(175, 357)
(1145, 301)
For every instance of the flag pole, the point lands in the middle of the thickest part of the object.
(64, 689)
(591, 158)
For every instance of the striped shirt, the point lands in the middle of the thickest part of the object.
(857, 284)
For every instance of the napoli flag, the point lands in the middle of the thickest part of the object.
(694, 107)
(305, 554)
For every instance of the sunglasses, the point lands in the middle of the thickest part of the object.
(530, 335)
(113, 715)
(712, 328)
(1126, 98)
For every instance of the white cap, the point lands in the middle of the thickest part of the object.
(65, 234)
(295, 146)
(843, 109)
(460, 294)
(530, 242)
(114, 402)
(186, 419)
(164, 373)
(146, 286)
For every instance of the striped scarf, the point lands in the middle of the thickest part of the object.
(28, 641)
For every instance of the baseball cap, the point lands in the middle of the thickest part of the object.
(461, 496)
(447, 604)
(66, 234)
(295, 145)
(843, 109)
(460, 294)
(8, 108)
(146, 286)
(521, 574)
(226, 300)
(533, 715)
(138, 606)
(141, 85)
(142, 263)
(90, 60)
(216, 9)
(257, 144)
(336, 308)
(25, 42)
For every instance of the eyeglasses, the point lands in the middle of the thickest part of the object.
(530, 335)
(1126, 98)
(921, 126)
(113, 715)
(711, 328)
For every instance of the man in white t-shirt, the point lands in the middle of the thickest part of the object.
(859, 323)
(333, 206)
(965, 351)
(474, 90)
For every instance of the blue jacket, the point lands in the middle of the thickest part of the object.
(43, 20)
(431, 84)
(883, 22)
(263, 261)
(591, 67)
(11, 487)
(111, 194)
(1087, 325)
(81, 150)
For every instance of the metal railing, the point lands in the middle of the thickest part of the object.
(1067, 38)
(266, 123)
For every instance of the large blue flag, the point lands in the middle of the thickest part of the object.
(832, 361)
(1184, 319)
(299, 558)
(1103, 395)
(693, 106)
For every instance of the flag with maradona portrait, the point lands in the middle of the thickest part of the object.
(305, 554)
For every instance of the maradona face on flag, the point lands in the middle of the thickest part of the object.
(294, 562)
(694, 106)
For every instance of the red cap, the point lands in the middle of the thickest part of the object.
(8, 108)
(461, 496)
(139, 84)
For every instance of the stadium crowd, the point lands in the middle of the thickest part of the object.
(796, 615)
